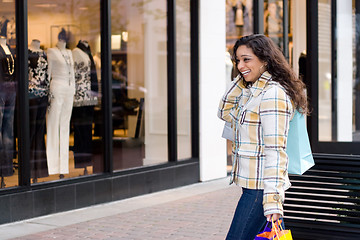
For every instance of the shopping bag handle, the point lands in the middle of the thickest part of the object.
(273, 226)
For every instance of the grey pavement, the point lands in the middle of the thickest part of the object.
(198, 211)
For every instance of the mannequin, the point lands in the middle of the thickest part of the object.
(62, 90)
(84, 102)
(273, 23)
(35, 45)
(7, 107)
(38, 100)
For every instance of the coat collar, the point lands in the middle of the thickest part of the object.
(259, 85)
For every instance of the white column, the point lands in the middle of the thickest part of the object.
(212, 87)
(344, 66)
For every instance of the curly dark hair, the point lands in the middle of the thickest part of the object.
(266, 50)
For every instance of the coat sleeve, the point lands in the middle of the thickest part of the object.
(275, 114)
(228, 104)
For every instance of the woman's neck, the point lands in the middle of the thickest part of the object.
(61, 45)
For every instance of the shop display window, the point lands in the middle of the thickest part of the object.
(64, 89)
(139, 83)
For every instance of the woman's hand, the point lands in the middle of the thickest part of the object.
(274, 217)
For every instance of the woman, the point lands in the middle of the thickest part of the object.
(260, 103)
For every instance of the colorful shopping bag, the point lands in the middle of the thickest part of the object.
(280, 233)
(267, 233)
(298, 146)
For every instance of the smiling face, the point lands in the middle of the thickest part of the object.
(248, 64)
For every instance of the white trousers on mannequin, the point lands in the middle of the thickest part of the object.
(58, 128)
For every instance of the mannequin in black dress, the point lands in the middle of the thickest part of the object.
(7, 108)
(38, 100)
(86, 97)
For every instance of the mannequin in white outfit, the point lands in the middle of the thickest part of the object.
(62, 90)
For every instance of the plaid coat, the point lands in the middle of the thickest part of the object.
(260, 117)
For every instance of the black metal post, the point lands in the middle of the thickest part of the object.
(286, 28)
(333, 72)
(22, 103)
(171, 74)
(194, 35)
(312, 69)
(258, 13)
(106, 103)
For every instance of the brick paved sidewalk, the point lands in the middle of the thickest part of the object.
(200, 216)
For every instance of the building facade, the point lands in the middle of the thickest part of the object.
(100, 102)
(108, 99)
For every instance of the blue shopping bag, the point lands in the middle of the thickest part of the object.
(298, 146)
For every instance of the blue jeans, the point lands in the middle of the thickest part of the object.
(7, 108)
(249, 217)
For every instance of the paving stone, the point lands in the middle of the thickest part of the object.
(202, 216)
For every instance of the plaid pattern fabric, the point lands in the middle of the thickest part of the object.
(260, 117)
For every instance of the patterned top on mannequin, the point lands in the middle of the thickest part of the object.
(38, 70)
(84, 94)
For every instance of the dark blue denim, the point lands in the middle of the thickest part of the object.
(249, 217)
(7, 108)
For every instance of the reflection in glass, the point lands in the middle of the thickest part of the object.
(64, 79)
(273, 21)
(8, 156)
(139, 79)
(239, 20)
(325, 80)
(183, 78)
(338, 87)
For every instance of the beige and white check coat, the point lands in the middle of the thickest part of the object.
(260, 117)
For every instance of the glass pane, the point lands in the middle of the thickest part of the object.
(183, 78)
(8, 122)
(239, 20)
(297, 39)
(139, 79)
(325, 78)
(339, 97)
(64, 80)
(273, 21)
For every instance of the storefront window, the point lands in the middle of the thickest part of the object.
(64, 89)
(9, 164)
(339, 91)
(139, 82)
(183, 78)
(273, 21)
(239, 20)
